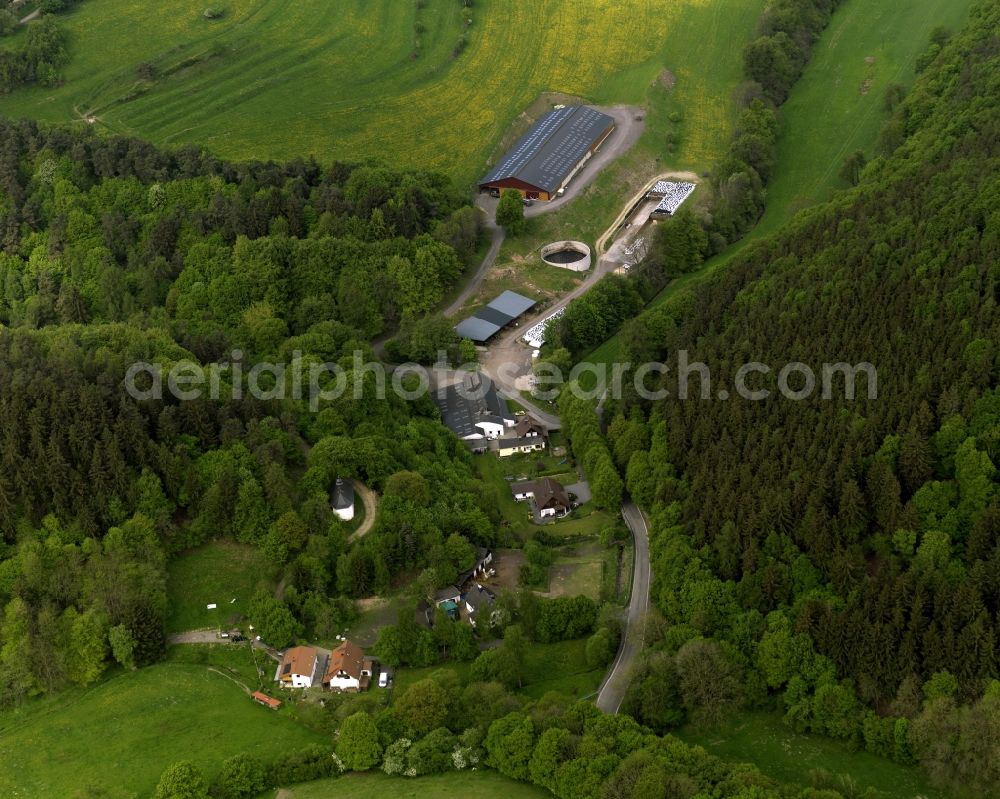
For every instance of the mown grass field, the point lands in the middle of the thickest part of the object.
(477, 784)
(213, 574)
(125, 731)
(835, 108)
(278, 79)
(785, 755)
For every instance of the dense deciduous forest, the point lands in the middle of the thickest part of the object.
(840, 559)
(40, 57)
(115, 252)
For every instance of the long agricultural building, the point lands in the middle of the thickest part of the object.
(549, 155)
(494, 317)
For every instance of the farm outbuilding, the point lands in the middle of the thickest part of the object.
(494, 317)
(549, 155)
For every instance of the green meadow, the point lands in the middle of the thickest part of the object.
(836, 108)
(213, 574)
(354, 79)
(122, 733)
(790, 757)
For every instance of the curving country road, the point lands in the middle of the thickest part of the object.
(612, 691)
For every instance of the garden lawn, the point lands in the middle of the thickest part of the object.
(560, 667)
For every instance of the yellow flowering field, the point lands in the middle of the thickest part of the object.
(352, 79)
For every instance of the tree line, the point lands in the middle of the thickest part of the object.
(837, 559)
(440, 724)
(772, 63)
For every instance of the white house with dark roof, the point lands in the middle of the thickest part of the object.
(473, 409)
(479, 601)
(525, 436)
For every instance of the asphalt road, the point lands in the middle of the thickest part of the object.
(612, 691)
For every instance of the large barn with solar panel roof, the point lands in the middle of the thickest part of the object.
(548, 156)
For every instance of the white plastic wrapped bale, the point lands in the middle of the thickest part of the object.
(535, 337)
(674, 196)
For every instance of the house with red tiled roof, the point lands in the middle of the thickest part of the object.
(299, 667)
(348, 669)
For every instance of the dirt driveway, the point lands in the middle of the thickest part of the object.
(370, 500)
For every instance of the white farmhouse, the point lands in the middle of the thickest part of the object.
(349, 670)
(298, 668)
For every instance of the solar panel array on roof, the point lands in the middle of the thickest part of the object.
(499, 313)
(551, 150)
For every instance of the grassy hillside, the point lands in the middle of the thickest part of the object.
(125, 731)
(835, 108)
(213, 574)
(467, 784)
(783, 754)
(353, 79)
(837, 105)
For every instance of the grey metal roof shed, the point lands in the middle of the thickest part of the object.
(476, 329)
(498, 314)
(511, 304)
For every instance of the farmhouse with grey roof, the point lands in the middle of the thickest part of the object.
(473, 409)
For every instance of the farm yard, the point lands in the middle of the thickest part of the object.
(277, 79)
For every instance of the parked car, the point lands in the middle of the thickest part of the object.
(528, 202)
(494, 193)
(383, 679)
(238, 638)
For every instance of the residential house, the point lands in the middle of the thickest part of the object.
(479, 604)
(510, 446)
(548, 496)
(447, 599)
(484, 559)
(299, 667)
(529, 427)
(343, 499)
(348, 670)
